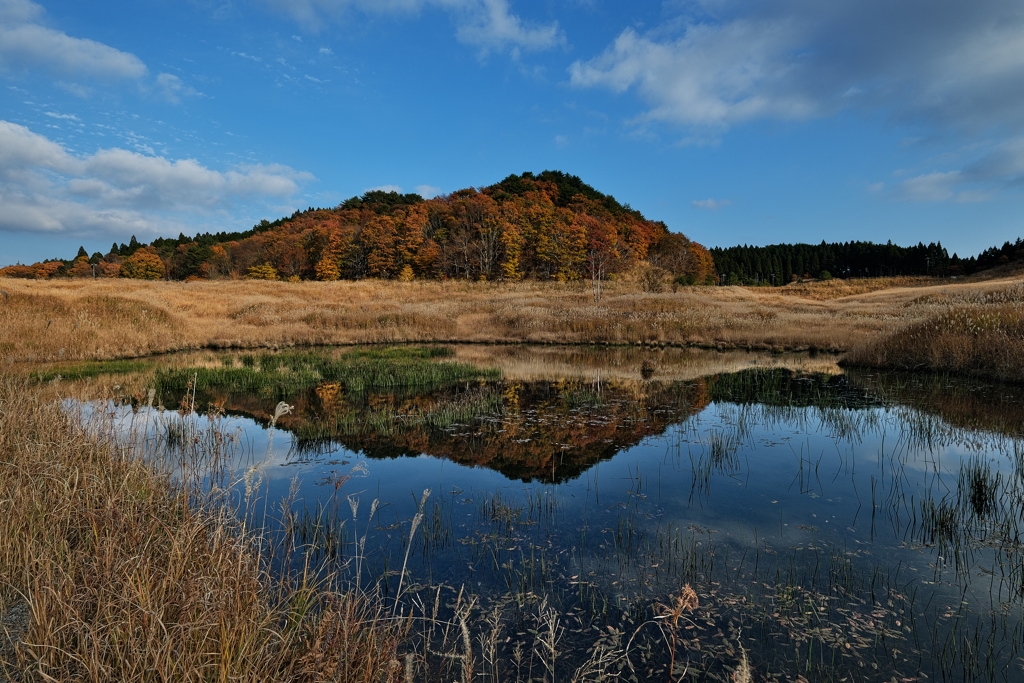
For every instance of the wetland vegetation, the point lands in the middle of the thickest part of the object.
(515, 513)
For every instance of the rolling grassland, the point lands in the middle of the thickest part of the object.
(908, 323)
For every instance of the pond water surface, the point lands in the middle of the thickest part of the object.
(836, 525)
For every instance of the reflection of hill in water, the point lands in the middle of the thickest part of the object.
(548, 431)
(555, 431)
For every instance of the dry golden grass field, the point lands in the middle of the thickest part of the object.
(44, 321)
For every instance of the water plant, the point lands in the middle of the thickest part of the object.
(360, 370)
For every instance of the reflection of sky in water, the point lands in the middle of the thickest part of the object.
(757, 497)
(750, 478)
(751, 497)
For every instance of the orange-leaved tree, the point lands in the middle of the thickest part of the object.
(81, 267)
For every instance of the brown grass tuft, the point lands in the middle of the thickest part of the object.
(980, 334)
(123, 581)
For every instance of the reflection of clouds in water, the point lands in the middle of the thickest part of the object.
(794, 465)
(169, 438)
(804, 477)
(786, 485)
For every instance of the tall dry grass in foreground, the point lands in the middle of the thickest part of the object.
(123, 581)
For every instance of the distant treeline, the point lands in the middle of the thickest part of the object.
(783, 263)
(546, 226)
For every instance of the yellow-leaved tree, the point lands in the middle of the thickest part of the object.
(264, 271)
(144, 264)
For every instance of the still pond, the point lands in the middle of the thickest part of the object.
(834, 524)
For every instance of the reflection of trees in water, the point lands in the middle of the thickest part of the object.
(970, 516)
(962, 402)
(548, 431)
(554, 431)
(784, 387)
(525, 430)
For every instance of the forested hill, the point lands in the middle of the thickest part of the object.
(545, 226)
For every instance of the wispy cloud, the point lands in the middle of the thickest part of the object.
(46, 188)
(710, 204)
(384, 188)
(489, 25)
(251, 58)
(998, 168)
(427, 191)
(172, 88)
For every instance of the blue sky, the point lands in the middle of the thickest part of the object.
(733, 121)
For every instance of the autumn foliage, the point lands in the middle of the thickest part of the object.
(549, 226)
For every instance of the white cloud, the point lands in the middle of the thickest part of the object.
(27, 44)
(21, 149)
(946, 62)
(45, 188)
(54, 216)
(950, 67)
(712, 76)
(172, 88)
(62, 117)
(326, 51)
(710, 204)
(427, 191)
(487, 24)
(19, 11)
(251, 58)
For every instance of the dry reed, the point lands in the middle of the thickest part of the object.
(123, 581)
(986, 340)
